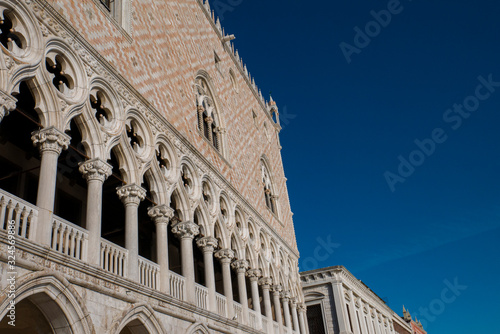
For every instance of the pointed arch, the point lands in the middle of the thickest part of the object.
(56, 298)
(198, 328)
(140, 319)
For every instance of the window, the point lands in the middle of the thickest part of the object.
(107, 4)
(217, 61)
(208, 123)
(234, 83)
(119, 10)
(269, 195)
(315, 319)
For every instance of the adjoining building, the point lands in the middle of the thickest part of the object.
(140, 175)
(339, 303)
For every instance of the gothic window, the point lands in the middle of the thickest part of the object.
(269, 195)
(119, 10)
(208, 122)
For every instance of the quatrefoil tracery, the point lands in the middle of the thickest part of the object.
(99, 103)
(135, 138)
(62, 79)
(163, 161)
(187, 179)
(12, 34)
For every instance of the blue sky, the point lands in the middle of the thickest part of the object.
(345, 125)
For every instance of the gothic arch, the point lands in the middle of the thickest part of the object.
(142, 318)
(268, 184)
(170, 166)
(198, 328)
(189, 178)
(220, 233)
(63, 308)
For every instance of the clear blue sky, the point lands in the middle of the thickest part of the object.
(346, 124)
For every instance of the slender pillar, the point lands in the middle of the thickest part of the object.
(50, 142)
(304, 328)
(209, 121)
(285, 299)
(161, 215)
(207, 245)
(131, 196)
(354, 314)
(95, 171)
(186, 231)
(241, 267)
(295, 319)
(265, 283)
(277, 305)
(253, 276)
(225, 257)
(338, 296)
(200, 117)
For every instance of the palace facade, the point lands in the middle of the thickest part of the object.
(141, 183)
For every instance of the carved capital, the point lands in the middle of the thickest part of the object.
(50, 139)
(7, 104)
(266, 282)
(294, 301)
(276, 289)
(161, 214)
(200, 109)
(254, 274)
(207, 244)
(301, 307)
(209, 120)
(240, 266)
(95, 169)
(225, 255)
(131, 194)
(285, 296)
(186, 230)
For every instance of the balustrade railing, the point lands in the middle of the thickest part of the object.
(201, 293)
(177, 285)
(113, 258)
(221, 304)
(149, 273)
(276, 327)
(238, 312)
(264, 323)
(253, 319)
(21, 212)
(69, 239)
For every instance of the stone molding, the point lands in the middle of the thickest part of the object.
(7, 104)
(186, 230)
(131, 194)
(95, 169)
(50, 139)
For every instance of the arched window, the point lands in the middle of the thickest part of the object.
(269, 194)
(208, 122)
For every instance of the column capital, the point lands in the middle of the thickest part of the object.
(207, 244)
(7, 104)
(50, 139)
(200, 109)
(276, 289)
(266, 282)
(225, 255)
(131, 194)
(285, 296)
(294, 301)
(254, 274)
(186, 230)
(161, 214)
(240, 266)
(302, 307)
(209, 120)
(95, 169)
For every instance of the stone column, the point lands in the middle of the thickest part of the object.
(304, 328)
(285, 299)
(186, 231)
(265, 283)
(253, 276)
(295, 319)
(131, 196)
(277, 305)
(225, 257)
(354, 314)
(200, 110)
(209, 121)
(241, 267)
(95, 171)
(50, 142)
(161, 215)
(208, 245)
(340, 307)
